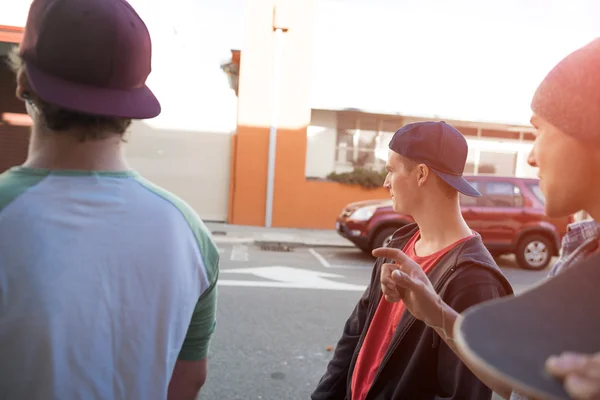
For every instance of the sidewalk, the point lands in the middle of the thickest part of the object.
(241, 234)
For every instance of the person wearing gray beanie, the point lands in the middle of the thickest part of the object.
(566, 115)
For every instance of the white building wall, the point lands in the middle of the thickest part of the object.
(321, 143)
(522, 150)
(322, 139)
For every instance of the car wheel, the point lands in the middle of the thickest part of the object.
(383, 237)
(534, 252)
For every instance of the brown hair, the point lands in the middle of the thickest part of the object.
(58, 119)
(408, 164)
(448, 191)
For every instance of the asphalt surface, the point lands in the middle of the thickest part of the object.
(281, 313)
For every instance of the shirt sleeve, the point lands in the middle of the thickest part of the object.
(204, 318)
(197, 340)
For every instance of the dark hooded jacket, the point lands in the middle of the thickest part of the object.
(418, 365)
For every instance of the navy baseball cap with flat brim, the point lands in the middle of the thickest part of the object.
(441, 147)
(458, 182)
(91, 56)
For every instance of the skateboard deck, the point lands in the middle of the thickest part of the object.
(512, 337)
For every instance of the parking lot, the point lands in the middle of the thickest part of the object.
(281, 312)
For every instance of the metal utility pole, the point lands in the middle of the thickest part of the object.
(279, 28)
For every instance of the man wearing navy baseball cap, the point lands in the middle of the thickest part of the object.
(386, 352)
(566, 116)
(107, 282)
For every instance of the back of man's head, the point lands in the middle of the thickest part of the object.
(83, 65)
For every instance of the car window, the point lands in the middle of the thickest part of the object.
(535, 188)
(502, 194)
(469, 201)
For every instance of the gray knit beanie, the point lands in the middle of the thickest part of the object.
(569, 96)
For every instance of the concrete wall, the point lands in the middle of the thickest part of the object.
(191, 164)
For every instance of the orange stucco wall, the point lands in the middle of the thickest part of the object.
(297, 202)
(308, 204)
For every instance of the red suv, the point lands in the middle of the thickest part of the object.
(509, 217)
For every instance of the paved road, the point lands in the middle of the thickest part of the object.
(281, 313)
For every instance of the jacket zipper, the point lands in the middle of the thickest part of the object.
(408, 325)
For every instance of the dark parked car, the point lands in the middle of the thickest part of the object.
(509, 217)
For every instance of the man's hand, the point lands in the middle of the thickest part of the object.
(580, 374)
(406, 281)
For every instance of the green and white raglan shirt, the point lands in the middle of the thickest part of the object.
(105, 281)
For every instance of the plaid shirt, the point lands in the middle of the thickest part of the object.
(580, 241)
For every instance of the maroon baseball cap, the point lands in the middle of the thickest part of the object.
(90, 56)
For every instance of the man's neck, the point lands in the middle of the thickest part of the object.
(50, 150)
(440, 226)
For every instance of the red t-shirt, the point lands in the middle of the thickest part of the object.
(384, 323)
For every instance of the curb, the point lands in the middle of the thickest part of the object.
(230, 240)
(303, 244)
(290, 243)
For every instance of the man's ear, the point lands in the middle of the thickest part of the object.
(22, 85)
(422, 174)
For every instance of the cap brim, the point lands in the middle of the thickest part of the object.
(139, 103)
(458, 182)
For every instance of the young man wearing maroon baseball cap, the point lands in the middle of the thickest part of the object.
(566, 115)
(384, 351)
(107, 282)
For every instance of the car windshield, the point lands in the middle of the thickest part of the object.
(535, 188)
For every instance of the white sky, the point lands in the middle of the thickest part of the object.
(461, 59)
(458, 59)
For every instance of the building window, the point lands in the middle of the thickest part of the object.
(486, 162)
(496, 163)
(362, 140)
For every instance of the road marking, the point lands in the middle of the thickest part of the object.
(351, 267)
(290, 278)
(284, 285)
(319, 257)
(239, 253)
(327, 264)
